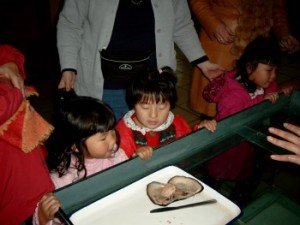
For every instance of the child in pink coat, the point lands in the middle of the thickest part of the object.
(253, 82)
(84, 142)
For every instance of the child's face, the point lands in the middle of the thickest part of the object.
(151, 115)
(263, 75)
(101, 145)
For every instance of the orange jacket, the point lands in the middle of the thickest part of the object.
(211, 13)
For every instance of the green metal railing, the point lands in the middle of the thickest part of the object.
(187, 152)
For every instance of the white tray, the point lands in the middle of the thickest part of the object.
(131, 205)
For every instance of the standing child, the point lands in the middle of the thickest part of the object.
(84, 142)
(250, 84)
(150, 123)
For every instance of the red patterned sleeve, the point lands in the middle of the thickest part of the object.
(211, 91)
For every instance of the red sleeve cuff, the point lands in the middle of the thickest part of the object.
(10, 54)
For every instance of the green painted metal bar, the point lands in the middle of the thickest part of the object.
(188, 151)
(259, 139)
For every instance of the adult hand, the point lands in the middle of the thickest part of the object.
(289, 44)
(11, 72)
(210, 70)
(223, 34)
(291, 142)
(67, 81)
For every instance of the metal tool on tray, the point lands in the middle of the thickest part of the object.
(164, 209)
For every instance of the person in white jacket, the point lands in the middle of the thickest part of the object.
(86, 27)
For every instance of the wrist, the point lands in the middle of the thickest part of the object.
(197, 62)
(69, 70)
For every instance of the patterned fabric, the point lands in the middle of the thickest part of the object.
(132, 137)
(213, 88)
(165, 136)
(128, 119)
(26, 129)
(139, 138)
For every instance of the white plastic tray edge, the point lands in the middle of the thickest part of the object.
(136, 206)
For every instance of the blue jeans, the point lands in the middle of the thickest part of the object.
(115, 98)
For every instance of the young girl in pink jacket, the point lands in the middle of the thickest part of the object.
(252, 83)
(84, 142)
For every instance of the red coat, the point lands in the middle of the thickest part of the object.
(128, 142)
(24, 177)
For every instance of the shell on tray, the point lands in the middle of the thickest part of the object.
(177, 188)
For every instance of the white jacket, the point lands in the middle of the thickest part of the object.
(85, 27)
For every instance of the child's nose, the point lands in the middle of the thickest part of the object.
(273, 75)
(153, 112)
(112, 138)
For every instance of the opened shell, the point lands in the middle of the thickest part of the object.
(177, 188)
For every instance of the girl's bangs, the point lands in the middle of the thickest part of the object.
(149, 98)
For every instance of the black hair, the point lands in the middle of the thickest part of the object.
(158, 85)
(263, 50)
(79, 119)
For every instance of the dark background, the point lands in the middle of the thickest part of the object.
(29, 25)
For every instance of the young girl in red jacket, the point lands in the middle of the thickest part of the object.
(252, 82)
(151, 123)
